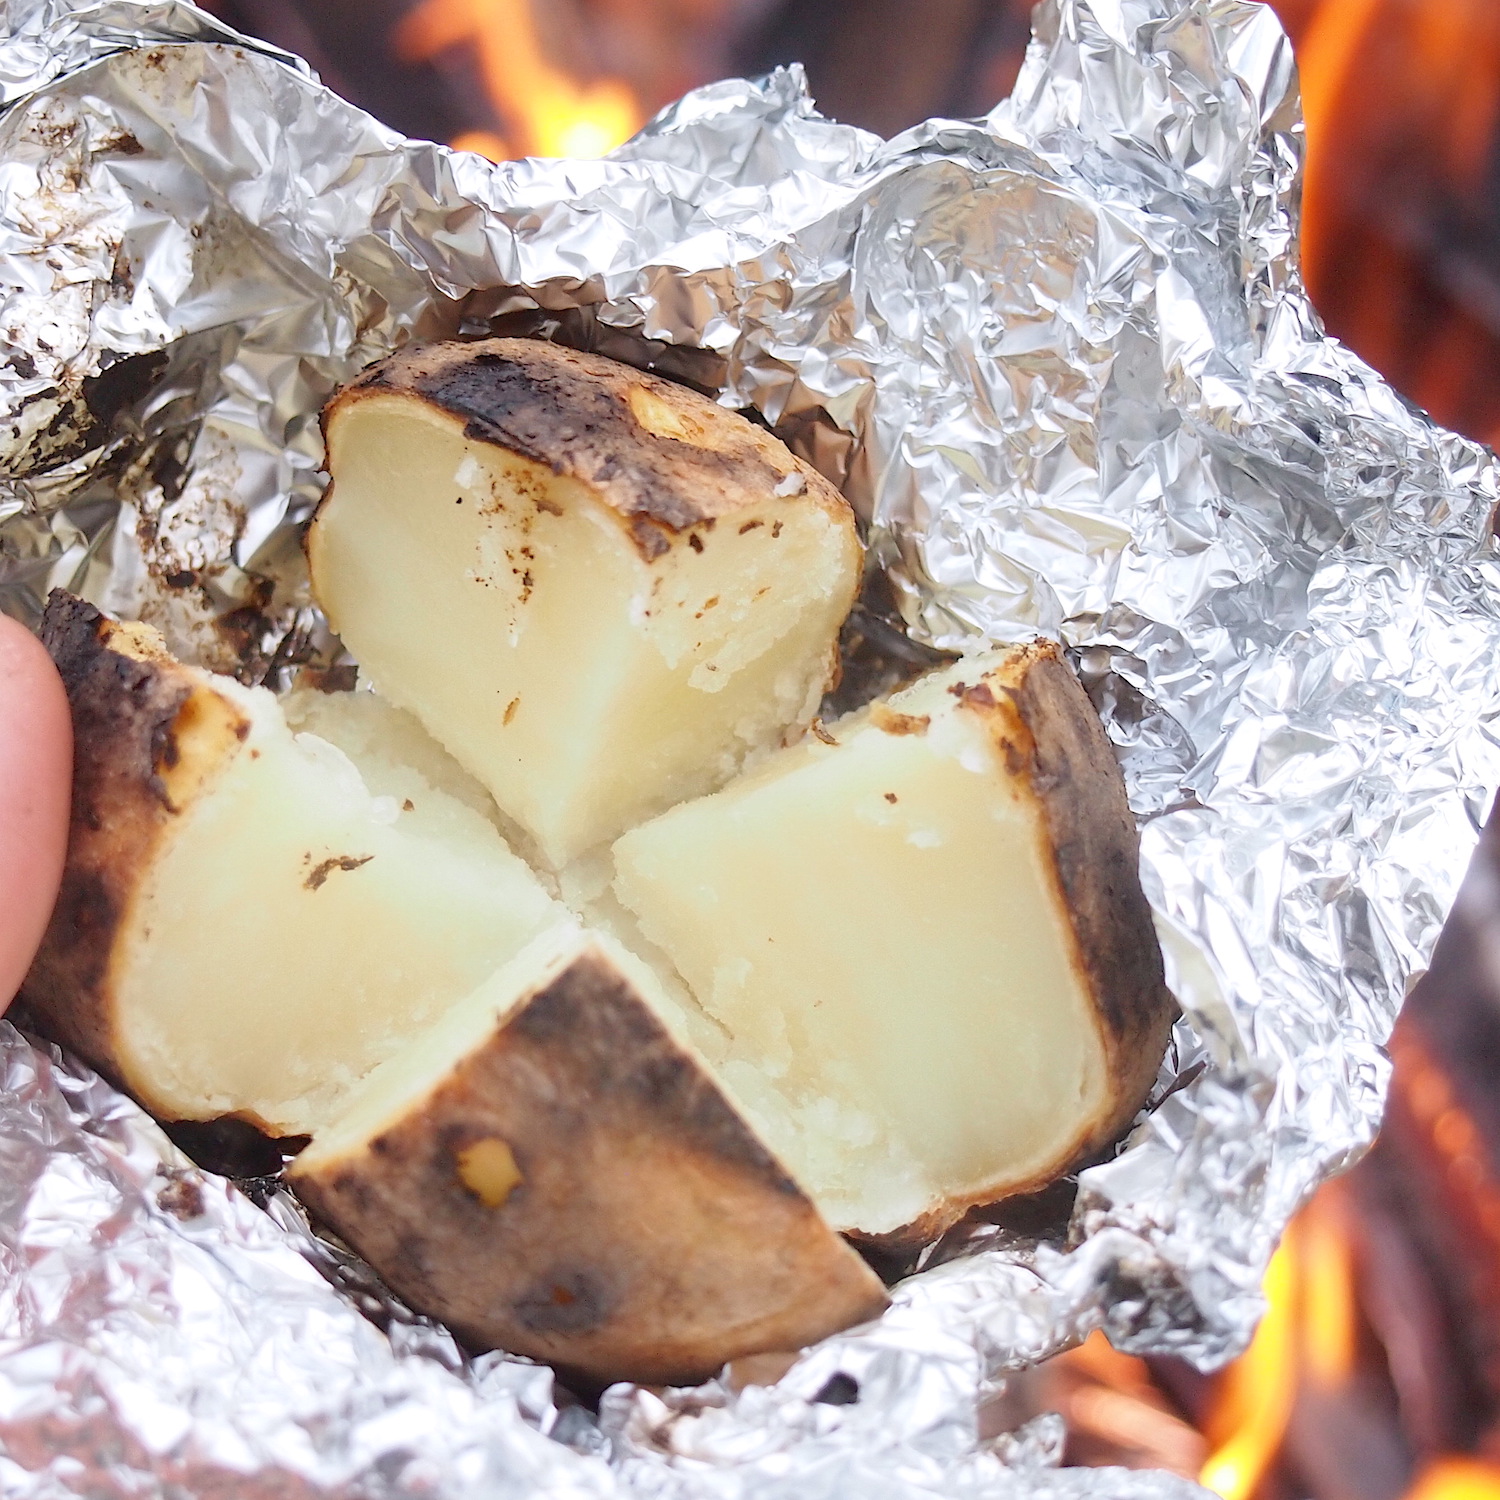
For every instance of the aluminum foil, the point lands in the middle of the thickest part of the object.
(1061, 360)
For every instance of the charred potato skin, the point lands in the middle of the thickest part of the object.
(1048, 734)
(649, 1235)
(1049, 726)
(666, 460)
(131, 707)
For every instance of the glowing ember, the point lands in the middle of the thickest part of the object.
(547, 112)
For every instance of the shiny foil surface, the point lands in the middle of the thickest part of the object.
(1061, 360)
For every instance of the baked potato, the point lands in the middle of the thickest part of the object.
(765, 981)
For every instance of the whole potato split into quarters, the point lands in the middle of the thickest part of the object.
(618, 1006)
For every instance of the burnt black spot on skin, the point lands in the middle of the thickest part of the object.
(166, 751)
(87, 906)
(649, 537)
(349, 1187)
(695, 542)
(566, 1301)
(322, 871)
(891, 797)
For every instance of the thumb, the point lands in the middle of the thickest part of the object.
(36, 773)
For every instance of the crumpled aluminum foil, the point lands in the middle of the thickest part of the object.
(1061, 360)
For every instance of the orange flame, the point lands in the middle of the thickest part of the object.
(1445, 94)
(1310, 1334)
(1255, 1398)
(546, 111)
(1325, 61)
(1328, 1295)
(1402, 103)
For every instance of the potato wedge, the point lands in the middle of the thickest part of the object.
(925, 945)
(550, 1170)
(245, 926)
(598, 590)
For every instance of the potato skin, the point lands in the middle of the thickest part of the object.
(1047, 733)
(664, 458)
(650, 1236)
(1045, 725)
(145, 731)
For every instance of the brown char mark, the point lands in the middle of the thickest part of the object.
(1097, 849)
(122, 711)
(588, 1023)
(566, 1300)
(571, 413)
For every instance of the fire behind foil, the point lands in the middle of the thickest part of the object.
(1061, 360)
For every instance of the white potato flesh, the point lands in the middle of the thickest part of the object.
(874, 932)
(298, 926)
(391, 751)
(508, 608)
